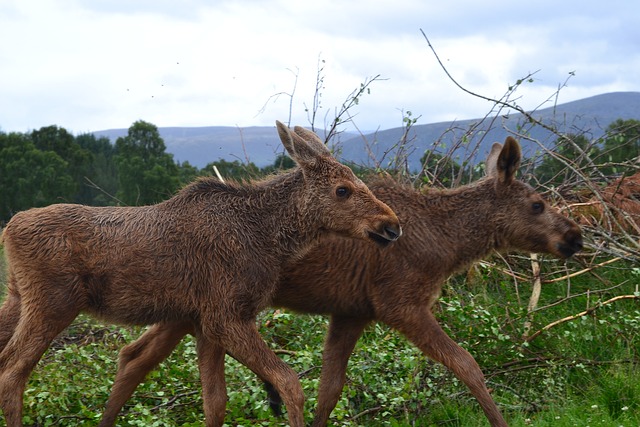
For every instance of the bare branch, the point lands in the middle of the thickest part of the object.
(582, 313)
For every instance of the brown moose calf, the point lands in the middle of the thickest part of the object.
(357, 283)
(210, 256)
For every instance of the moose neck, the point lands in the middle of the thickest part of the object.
(445, 228)
(292, 215)
(464, 219)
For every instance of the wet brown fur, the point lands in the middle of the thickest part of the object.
(357, 284)
(210, 256)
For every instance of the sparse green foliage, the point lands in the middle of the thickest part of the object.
(621, 149)
(235, 170)
(344, 114)
(439, 170)
(575, 150)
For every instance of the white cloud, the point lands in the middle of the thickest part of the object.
(91, 65)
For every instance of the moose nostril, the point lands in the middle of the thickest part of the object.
(393, 232)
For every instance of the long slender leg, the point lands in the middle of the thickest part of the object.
(9, 315)
(33, 335)
(214, 391)
(248, 347)
(344, 333)
(138, 359)
(421, 328)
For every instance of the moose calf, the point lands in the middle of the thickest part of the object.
(210, 256)
(444, 231)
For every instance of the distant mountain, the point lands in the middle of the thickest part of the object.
(589, 116)
(260, 145)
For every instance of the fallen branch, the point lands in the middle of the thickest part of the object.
(283, 351)
(546, 362)
(366, 412)
(583, 313)
(173, 399)
(586, 270)
(588, 292)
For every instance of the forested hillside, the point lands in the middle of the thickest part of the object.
(50, 165)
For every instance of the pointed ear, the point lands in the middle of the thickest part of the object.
(509, 160)
(297, 148)
(490, 165)
(312, 139)
(504, 161)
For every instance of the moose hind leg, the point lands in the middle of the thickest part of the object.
(137, 360)
(214, 391)
(34, 333)
(248, 347)
(343, 335)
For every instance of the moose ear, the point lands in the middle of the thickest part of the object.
(312, 139)
(297, 147)
(504, 160)
(492, 159)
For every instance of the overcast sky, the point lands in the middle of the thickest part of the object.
(101, 64)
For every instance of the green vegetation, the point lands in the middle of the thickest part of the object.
(582, 372)
(50, 165)
(613, 156)
(569, 358)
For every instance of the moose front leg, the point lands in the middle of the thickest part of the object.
(214, 391)
(247, 347)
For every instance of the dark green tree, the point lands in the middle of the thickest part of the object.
(621, 150)
(101, 182)
(61, 142)
(187, 173)
(30, 177)
(439, 170)
(282, 162)
(146, 173)
(235, 170)
(362, 172)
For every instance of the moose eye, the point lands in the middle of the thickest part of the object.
(537, 207)
(343, 192)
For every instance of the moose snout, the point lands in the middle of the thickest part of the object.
(571, 243)
(386, 233)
